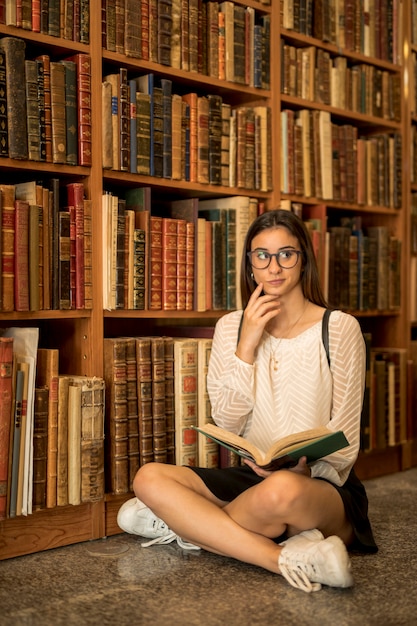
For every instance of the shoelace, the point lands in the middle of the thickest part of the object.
(297, 578)
(169, 539)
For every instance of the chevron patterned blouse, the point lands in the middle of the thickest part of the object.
(265, 404)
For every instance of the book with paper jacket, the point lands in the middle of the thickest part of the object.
(314, 444)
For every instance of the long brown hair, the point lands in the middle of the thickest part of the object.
(310, 281)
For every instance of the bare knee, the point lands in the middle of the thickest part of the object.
(279, 493)
(146, 481)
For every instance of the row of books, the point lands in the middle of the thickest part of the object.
(45, 247)
(384, 414)
(46, 106)
(149, 130)
(368, 27)
(68, 20)
(326, 160)
(180, 255)
(155, 392)
(220, 39)
(51, 429)
(313, 74)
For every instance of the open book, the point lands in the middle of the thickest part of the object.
(314, 444)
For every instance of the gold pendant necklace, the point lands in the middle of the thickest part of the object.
(273, 360)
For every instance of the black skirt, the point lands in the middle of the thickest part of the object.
(226, 484)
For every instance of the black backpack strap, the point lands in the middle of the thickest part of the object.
(325, 333)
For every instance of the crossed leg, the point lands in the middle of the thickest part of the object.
(245, 527)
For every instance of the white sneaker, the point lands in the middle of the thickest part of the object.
(136, 518)
(308, 560)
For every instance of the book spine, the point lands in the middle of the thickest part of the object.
(14, 50)
(59, 134)
(17, 433)
(75, 198)
(116, 433)
(45, 72)
(21, 279)
(185, 381)
(8, 229)
(6, 397)
(84, 115)
(155, 261)
(40, 447)
(71, 116)
(144, 394)
(64, 264)
(133, 43)
(158, 399)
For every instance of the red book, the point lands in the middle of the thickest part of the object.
(155, 263)
(6, 395)
(21, 248)
(75, 196)
(169, 263)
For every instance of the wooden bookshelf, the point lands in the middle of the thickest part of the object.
(79, 334)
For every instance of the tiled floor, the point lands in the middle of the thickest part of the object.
(117, 582)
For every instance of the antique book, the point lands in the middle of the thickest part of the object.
(203, 140)
(166, 86)
(190, 268)
(144, 9)
(114, 81)
(7, 246)
(146, 86)
(40, 447)
(176, 34)
(74, 443)
(4, 137)
(124, 121)
(227, 8)
(133, 43)
(16, 439)
(193, 35)
(144, 395)
(158, 399)
(239, 48)
(75, 199)
(157, 116)
(133, 157)
(71, 111)
(169, 399)
(176, 115)
(106, 125)
(35, 239)
(208, 449)
(116, 427)
(58, 114)
(143, 133)
(212, 8)
(21, 270)
(139, 269)
(185, 26)
(64, 262)
(185, 381)
(47, 372)
(62, 440)
(170, 250)
(215, 139)
(153, 31)
(14, 50)
(32, 111)
(132, 409)
(187, 209)
(192, 100)
(6, 406)
(88, 255)
(155, 263)
(91, 429)
(45, 61)
(314, 444)
(164, 11)
(120, 26)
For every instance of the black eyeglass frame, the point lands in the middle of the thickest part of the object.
(276, 255)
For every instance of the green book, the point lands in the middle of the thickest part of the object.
(314, 444)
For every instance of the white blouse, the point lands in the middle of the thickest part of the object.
(264, 405)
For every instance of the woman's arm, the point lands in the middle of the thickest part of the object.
(229, 379)
(348, 362)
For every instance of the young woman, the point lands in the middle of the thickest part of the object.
(269, 377)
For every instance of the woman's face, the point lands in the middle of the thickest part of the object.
(276, 280)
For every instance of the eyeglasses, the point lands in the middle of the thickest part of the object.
(286, 259)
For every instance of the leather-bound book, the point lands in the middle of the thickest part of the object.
(40, 447)
(215, 138)
(164, 31)
(193, 35)
(175, 57)
(54, 18)
(47, 372)
(88, 255)
(7, 246)
(144, 393)
(32, 110)
(169, 399)
(208, 450)
(170, 249)
(83, 75)
(116, 432)
(14, 50)
(59, 133)
(166, 86)
(185, 383)
(144, 7)
(133, 43)
(155, 263)
(4, 137)
(21, 280)
(75, 199)
(203, 140)
(6, 400)
(191, 99)
(64, 262)
(71, 115)
(139, 268)
(143, 133)
(132, 409)
(44, 70)
(158, 398)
